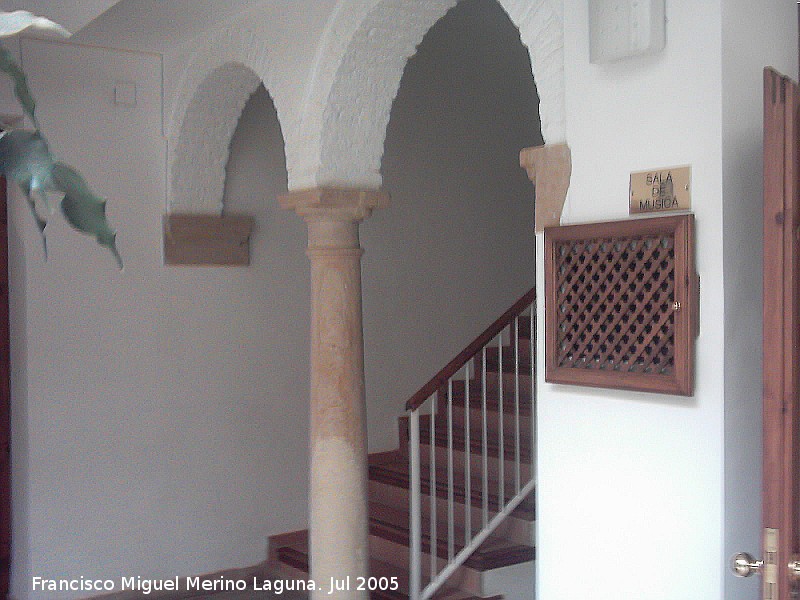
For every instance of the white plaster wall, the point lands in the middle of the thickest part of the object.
(630, 485)
(753, 36)
(160, 414)
(456, 248)
(17, 282)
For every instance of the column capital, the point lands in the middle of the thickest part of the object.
(334, 204)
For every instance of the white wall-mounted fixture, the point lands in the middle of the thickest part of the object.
(624, 28)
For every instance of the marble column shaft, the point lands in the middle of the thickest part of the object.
(338, 479)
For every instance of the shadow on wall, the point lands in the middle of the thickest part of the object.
(273, 299)
(456, 248)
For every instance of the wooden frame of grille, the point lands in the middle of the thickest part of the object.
(621, 304)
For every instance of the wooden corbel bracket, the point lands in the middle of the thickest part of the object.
(212, 240)
(549, 169)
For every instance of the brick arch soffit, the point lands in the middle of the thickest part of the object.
(362, 82)
(218, 81)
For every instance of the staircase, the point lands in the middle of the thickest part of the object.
(454, 504)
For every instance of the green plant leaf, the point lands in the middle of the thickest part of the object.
(25, 159)
(85, 211)
(41, 223)
(21, 90)
(25, 156)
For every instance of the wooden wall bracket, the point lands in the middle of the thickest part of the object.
(211, 240)
(549, 169)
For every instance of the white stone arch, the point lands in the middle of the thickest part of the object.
(358, 69)
(337, 135)
(215, 86)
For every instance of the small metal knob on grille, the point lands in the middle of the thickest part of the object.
(676, 306)
(744, 565)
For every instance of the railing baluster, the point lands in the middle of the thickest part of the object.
(432, 530)
(518, 448)
(533, 390)
(467, 460)
(415, 571)
(451, 538)
(485, 448)
(501, 459)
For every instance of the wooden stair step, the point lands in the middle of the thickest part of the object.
(397, 462)
(459, 394)
(496, 470)
(441, 437)
(509, 362)
(518, 527)
(474, 417)
(388, 524)
(296, 557)
(492, 352)
(394, 521)
(397, 474)
(524, 327)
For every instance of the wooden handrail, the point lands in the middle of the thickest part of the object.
(470, 351)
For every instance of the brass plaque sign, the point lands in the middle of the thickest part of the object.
(661, 190)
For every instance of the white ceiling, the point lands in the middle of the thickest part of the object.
(146, 25)
(158, 25)
(72, 14)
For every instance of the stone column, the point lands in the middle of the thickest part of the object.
(338, 485)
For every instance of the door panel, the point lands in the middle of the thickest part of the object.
(781, 342)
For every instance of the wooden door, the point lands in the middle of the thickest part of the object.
(781, 342)
(5, 403)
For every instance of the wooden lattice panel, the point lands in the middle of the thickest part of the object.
(621, 304)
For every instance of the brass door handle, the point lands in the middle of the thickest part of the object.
(744, 565)
(794, 568)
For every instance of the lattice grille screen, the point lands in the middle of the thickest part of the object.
(620, 304)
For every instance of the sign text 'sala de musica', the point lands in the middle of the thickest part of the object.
(661, 190)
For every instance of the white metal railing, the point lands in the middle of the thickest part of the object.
(483, 462)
